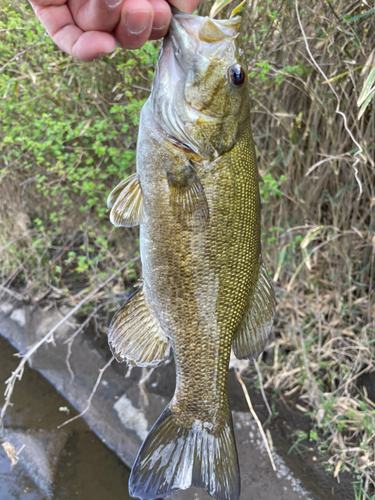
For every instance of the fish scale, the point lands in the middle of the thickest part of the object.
(204, 287)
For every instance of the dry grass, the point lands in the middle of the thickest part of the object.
(314, 359)
(319, 233)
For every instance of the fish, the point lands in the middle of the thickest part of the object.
(204, 289)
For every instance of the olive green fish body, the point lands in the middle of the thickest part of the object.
(204, 288)
(197, 281)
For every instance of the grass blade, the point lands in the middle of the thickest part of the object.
(280, 263)
(366, 103)
(311, 234)
(366, 90)
(237, 9)
(360, 16)
(218, 6)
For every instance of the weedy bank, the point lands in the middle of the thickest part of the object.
(68, 137)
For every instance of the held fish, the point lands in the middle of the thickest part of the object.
(205, 288)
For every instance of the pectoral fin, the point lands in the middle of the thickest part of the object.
(135, 335)
(253, 332)
(127, 203)
(187, 197)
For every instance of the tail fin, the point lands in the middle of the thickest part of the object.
(175, 457)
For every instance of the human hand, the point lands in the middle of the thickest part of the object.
(87, 29)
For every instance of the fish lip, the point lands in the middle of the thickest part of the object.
(233, 21)
(177, 30)
(226, 24)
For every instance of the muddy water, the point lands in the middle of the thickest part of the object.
(72, 463)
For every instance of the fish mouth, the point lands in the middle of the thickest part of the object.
(188, 36)
(191, 34)
(205, 29)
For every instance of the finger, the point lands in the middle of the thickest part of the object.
(187, 6)
(100, 15)
(162, 17)
(135, 24)
(93, 44)
(46, 3)
(60, 26)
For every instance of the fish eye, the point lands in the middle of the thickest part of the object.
(237, 75)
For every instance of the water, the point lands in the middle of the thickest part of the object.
(66, 464)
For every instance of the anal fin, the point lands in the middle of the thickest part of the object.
(126, 202)
(135, 335)
(254, 330)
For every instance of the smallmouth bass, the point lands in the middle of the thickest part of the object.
(205, 289)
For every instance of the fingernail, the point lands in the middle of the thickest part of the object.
(101, 54)
(113, 3)
(137, 21)
(160, 20)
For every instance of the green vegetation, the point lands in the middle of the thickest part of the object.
(68, 136)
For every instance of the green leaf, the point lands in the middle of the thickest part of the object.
(366, 90)
(280, 263)
(360, 16)
(237, 9)
(366, 103)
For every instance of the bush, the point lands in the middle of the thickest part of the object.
(68, 137)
